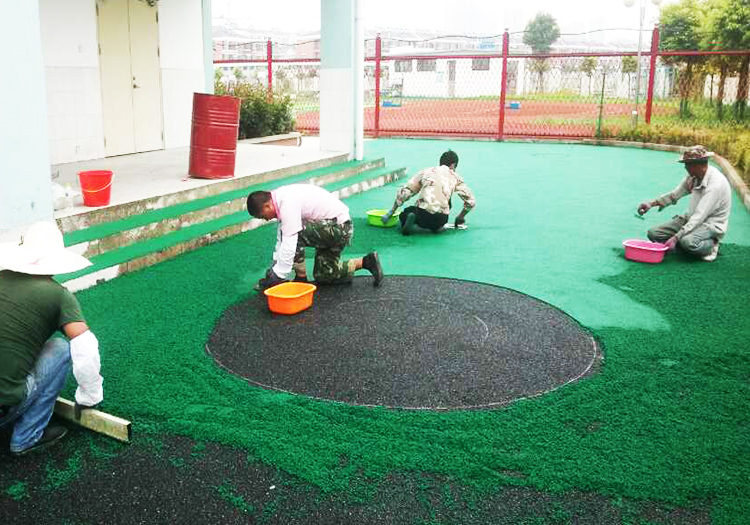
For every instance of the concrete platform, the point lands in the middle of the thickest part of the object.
(146, 175)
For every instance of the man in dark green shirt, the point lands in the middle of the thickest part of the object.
(34, 366)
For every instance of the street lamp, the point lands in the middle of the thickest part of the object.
(631, 3)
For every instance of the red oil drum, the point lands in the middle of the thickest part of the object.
(213, 139)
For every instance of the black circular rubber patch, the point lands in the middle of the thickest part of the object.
(414, 342)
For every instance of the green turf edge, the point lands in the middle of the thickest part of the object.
(364, 176)
(153, 245)
(102, 230)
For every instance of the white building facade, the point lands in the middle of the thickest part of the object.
(93, 79)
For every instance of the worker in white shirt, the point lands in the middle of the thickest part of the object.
(310, 216)
(34, 365)
(699, 231)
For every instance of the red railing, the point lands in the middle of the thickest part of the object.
(498, 95)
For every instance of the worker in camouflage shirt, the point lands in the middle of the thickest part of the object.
(435, 187)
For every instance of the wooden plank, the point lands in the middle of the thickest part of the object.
(95, 420)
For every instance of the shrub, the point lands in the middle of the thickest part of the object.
(259, 117)
(732, 143)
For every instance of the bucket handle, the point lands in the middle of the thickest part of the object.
(100, 189)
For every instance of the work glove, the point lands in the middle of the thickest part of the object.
(387, 217)
(298, 279)
(271, 279)
(80, 408)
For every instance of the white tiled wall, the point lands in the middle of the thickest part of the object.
(74, 114)
(73, 85)
(181, 51)
(71, 59)
(178, 86)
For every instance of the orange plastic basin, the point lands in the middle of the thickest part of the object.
(290, 298)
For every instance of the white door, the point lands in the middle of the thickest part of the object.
(144, 61)
(130, 72)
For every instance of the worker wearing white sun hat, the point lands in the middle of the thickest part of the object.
(34, 365)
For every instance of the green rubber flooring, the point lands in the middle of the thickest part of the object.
(664, 421)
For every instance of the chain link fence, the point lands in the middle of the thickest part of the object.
(440, 90)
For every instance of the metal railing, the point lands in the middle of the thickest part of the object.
(502, 94)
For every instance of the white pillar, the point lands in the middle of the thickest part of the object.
(341, 77)
(25, 182)
(358, 146)
(208, 47)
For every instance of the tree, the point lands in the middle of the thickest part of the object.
(539, 35)
(727, 27)
(539, 66)
(680, 31)
(282, 81)
(719, 64)
(628, 66)
(588, 66)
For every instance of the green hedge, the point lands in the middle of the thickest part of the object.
(731, 143)
(259, 117)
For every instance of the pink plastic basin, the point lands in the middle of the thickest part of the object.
(644, 251)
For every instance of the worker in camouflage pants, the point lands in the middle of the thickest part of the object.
(329, 239)
(309, 216)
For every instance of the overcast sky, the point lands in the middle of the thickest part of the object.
(478, 17)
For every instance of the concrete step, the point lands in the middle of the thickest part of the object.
(172, 236)
(152, 209)
(123, 231)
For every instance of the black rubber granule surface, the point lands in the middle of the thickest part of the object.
(415, 342)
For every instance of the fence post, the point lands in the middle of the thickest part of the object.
(377, 85)
(652, 72)
(269, 58)
(503, 87)
(601, 105)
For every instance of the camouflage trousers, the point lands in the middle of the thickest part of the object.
(329, 238)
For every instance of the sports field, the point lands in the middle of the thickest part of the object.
(555, 118)
(658, 434)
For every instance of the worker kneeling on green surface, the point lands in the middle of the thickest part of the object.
(435, 187)
(698, 231)
(34, 365)
(309, 216)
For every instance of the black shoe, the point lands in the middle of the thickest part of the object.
(408, 225)
(371, 263)
(51, 435)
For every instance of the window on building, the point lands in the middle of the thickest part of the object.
(403, 66)
(426, 64)
(480, 64)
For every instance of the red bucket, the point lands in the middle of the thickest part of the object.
(95, 186)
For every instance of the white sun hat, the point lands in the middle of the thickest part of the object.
(41, 252)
